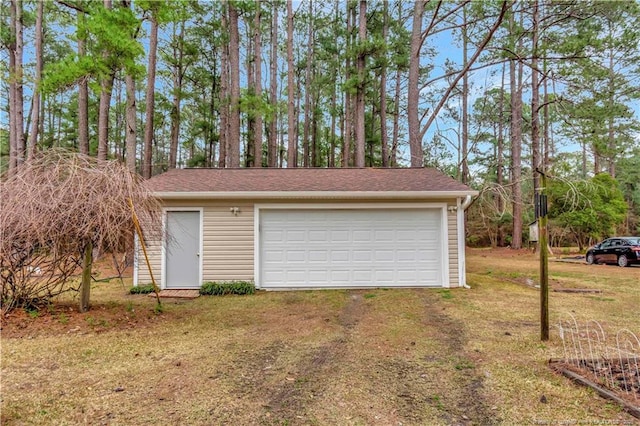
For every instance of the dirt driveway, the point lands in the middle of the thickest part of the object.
(367, 374)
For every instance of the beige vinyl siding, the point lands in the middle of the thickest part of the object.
(154, 252)
(228, 242)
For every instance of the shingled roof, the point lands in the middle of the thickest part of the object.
(261, 181)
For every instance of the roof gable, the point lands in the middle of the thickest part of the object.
(305, 180)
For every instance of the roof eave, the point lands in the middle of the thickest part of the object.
(288, 195)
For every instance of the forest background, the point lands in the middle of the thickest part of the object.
(493, 93)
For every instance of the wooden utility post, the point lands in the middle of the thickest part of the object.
(541, 216)
(85, 286)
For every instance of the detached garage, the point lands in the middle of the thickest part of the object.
(309, 228)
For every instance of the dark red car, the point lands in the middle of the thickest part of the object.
(622, 251)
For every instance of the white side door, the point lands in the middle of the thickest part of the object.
(182, 250)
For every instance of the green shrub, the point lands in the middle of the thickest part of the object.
(141, 289)
(213, 288)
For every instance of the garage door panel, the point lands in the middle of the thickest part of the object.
(318, 256)
(273, 256)
(317, 236)
(408, 276)
(408, 256)
(385, 255)
(274, 276)
(362, 276)
(318, 276)
(273, 235)
(339, 277)
(296, 236)
(362, 255)
(339, 235)
(362, 236)
(296, 256)
(351, 248)
(296, 275)
(340, 256)
(385, 235)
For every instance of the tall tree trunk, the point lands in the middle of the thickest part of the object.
(224, 92)
(384, 139)
(131, 124)
(516, 144)
(535, 99)
(307, 91)
(272, 144)
(178, 72)
(250, 115)
(500, 156)
(234, 107)
(106, 88)
(17, 81)
(151, 98)
(415, 140)
(36, 104)
(348, 110)
(611, 138)
(210, 157)
(20, 142)
(332, 128)
(546, 132)
(315, 155)
(396, 119)
(465, 101)
(83, 94)
(597, 168)
(13, 116)
(583, 170)
(342, 125)
(119, 132)
(360, 66)
(292, 145)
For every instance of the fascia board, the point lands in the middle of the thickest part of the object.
(280, 195)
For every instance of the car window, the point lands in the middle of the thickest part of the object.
(606, 243)
(633, 241)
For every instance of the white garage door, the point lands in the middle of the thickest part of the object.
(351, 248)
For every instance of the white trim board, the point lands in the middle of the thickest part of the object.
(319, 195)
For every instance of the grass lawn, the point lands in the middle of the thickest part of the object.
(360, 357)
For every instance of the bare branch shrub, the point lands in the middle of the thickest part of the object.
(51, 209)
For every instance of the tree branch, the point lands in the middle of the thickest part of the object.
(467, 66)
(72, 5)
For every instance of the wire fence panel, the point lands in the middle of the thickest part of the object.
(613, 361)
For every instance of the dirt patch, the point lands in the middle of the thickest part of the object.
(555, 285)
(64, 318)
(307, 381)
(468, 403)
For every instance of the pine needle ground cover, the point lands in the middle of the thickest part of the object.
(357, 357)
